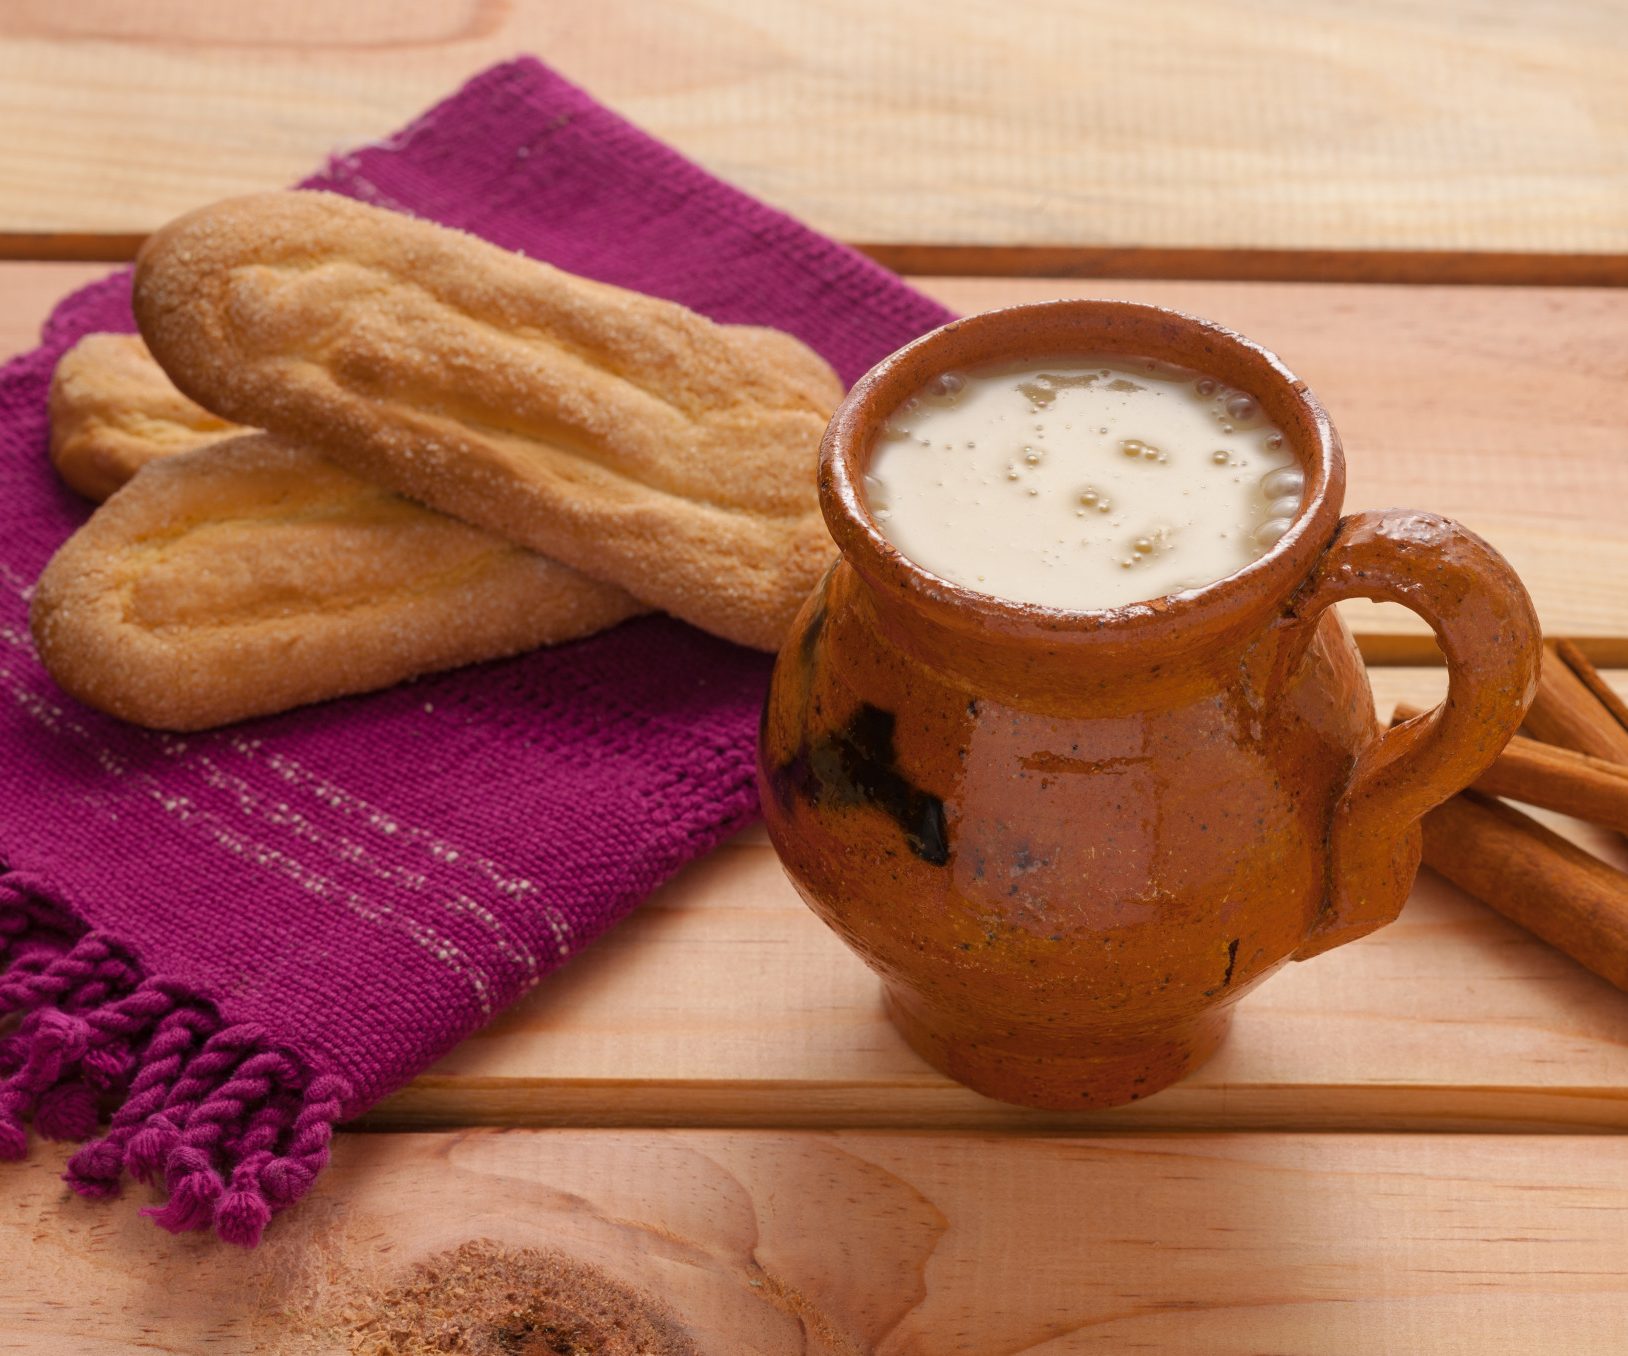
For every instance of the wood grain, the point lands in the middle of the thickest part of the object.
(768, 1244)
(1439, 394)
(1461, 126)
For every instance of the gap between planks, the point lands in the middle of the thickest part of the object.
(1241, 264)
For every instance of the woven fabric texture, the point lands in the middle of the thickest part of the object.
(238, 938)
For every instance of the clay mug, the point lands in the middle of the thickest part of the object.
(1069, 842)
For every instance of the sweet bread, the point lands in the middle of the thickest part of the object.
(252, 576)
(113, 410)
(624, 435)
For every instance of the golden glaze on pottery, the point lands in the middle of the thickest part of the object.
(1070, 841)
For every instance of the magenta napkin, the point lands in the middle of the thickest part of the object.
(229, 942)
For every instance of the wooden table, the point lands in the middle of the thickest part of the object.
(1412, 1144)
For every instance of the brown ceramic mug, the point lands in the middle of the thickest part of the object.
(1070, 841)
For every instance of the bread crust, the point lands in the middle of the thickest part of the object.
(113, 410)
(253, 575)
(624, 435)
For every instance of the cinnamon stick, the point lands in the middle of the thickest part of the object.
(1571, 654)
(1575, 708)
(1556, 778)
(1534, 877)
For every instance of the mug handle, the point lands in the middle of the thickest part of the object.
(1489, 634)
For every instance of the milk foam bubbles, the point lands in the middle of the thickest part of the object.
(1082, 483)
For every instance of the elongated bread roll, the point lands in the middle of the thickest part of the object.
(113, 410)
(253, 575)
(624, 435)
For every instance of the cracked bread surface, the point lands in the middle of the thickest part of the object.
(624, 435)
(253, 575)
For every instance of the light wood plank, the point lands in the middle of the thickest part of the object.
(27, 294)
(1503, 407)
(1457, 126)
(723, 1001)
(768, 1244)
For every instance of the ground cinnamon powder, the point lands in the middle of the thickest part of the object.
(482, 1299)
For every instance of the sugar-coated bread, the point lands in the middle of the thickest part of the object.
(253, 575)
(624, 435)
(113, 410)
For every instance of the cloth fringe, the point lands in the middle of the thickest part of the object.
(232, 1127)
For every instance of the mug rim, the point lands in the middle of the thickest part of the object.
(1104, 326)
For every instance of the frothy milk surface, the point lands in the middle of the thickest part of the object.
(1083, 482)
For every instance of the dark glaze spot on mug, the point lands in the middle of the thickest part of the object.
(1232, 960)
(784, 786)
(857, 765)
(811, 637)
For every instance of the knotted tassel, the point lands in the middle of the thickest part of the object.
(194, 1187)
(228, 1077)
(150, 1147)
(109, 1069)
(52, 1044)
(288, 1177)
(66, 1111)
(96, 1169)
(243, 1212)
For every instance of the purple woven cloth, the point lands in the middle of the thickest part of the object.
(229, 942)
